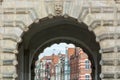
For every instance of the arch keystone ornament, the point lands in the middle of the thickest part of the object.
(58, 8)
(89, 25)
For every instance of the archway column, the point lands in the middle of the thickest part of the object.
(108, 37)
(8, 61)
(107, 34)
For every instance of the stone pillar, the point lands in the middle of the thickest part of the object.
(109, 41)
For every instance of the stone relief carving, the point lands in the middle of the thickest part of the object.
(58, 7)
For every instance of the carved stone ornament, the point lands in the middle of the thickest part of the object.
(58, 6)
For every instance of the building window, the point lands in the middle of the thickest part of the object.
(87, 61)
(87, 77)
(87, 64)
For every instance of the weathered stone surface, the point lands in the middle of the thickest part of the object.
(8, 44)
(102, 17)
(109, 69)
(8, 62)
(109, 43)
(7, 69)
(7, 56)
(100, 30)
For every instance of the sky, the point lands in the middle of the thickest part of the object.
(56, 48)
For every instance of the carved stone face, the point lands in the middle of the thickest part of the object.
(58, 8)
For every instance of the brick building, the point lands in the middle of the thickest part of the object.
(71, 51)
(74, 65)
(50, 62)
(80, 66)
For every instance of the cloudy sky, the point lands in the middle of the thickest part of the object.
(56, 48)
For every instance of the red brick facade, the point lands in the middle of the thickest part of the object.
(50, 65)
(71, 51)
(80, 66)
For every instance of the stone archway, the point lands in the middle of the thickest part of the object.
(56, 30)
(15, 19)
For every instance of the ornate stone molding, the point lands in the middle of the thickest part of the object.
(19, 11)
(8, 75)
(9, 50)
(104, 23)
(58, 11)
(19, 24)
(107, 62)
(111, 49)
(7, 56)
(8, 62)
(85, 11)
(107, 36)
(110, 76)
(12, 37)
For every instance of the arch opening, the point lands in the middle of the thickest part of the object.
(63, 62)
(58, 29)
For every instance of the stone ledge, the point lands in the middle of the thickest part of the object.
(8, 75)
(12, 37)
(106, 23)
(8, 62)
(8, 50)
(110, 76)
(7, 56)
(110, 50)
(108, 36)
(107, 43)
(106, 62)
(8, 69)
(18, 24)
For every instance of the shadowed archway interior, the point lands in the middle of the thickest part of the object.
(56, 30)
